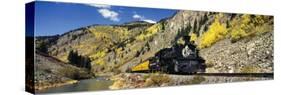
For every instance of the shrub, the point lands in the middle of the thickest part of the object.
(149, 32)
(193, 37)
(216, 32)
(119, 51)
(99, 54)
(249, 69)
(249, 25)
(42, 47)
(180, 41)
(99, 61)
(238, 28)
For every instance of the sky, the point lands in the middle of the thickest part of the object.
(53, 18)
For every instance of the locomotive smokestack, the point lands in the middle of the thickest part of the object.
(186, 39)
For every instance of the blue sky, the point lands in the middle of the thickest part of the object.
(53, 18)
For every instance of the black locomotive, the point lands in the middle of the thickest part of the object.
(179, 59)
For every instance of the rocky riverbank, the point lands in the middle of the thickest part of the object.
(41, 85)
(131, 80)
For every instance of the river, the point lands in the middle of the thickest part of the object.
(94, 84)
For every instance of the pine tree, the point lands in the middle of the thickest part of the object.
(78, 60)
(42, 47)
(70, 57)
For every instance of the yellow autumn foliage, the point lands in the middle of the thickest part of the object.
(238, 28)
(118, 52)
(181, 41)
(149, 32)
(193, 37)
(216, 32)
(107, 31)
(249, 25)
(99, 61)
(99, 54)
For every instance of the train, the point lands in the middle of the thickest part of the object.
(178, 59)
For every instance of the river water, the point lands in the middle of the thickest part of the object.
(95, 84)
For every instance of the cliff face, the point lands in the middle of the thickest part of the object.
(116, 48)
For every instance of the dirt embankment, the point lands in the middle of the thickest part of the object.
(50, 72)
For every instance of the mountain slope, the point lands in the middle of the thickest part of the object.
(253, 55)
(116, 48)
(51, 72)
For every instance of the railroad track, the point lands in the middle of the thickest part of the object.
(269, 75)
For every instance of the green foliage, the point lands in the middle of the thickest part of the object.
(216, 32)
(80, 61)
(42, 47)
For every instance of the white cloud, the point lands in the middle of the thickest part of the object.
(149, 21)
(136, 16)
(106, 12)
(100, 6)
(142, 18)
(109, 14)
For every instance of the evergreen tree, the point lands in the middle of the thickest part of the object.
(70, 57)
(78, 60)
(42, 47)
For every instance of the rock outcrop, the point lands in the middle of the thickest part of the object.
(251, 55)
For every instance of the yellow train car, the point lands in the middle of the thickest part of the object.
(141, 67)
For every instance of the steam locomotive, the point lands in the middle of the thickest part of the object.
(179, 59)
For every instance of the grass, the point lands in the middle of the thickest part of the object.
(249, 69)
